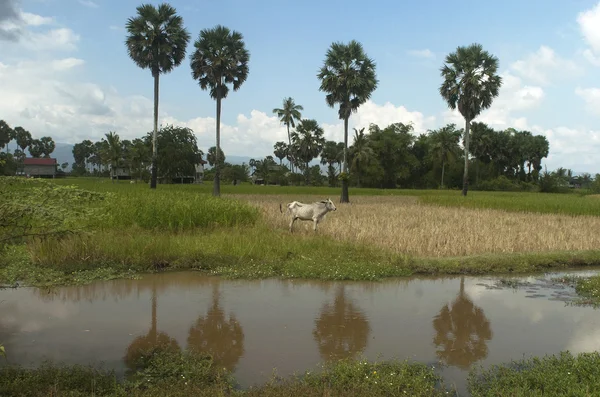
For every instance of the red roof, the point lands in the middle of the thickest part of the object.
(39, 161)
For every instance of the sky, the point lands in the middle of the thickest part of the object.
(65, 72)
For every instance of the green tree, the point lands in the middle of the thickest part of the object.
(288, 115)
(212, 157)
(23, 137)
(308, 141)
(48, 146)
(178, 152)
(360, 153)
(280, 150)
(445, 145)
(6, 134)
(348, 78)
(114, 152)
(157, 41)
(470, 83)
(220, 58)
(330, 155)
(36, 148)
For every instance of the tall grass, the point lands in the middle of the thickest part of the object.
(173, 210)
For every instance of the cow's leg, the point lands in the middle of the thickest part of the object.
(315, 221)
(292, 223)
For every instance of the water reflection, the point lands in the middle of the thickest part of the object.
(341, 330)
(152, 339)
(222, 338)
(462, 331)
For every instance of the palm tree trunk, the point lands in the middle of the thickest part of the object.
(155, 134)
(217, 181)
(290, 148)
(345, 198)
(466, 172)
(357, 173)
(443, 169)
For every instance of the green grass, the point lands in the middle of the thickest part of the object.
(564, 374)
(174, 373)
(557, 203)
(161, 372)
(136, 230)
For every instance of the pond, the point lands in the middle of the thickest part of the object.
(253, 327)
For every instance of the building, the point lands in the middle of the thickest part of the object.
(39, 167)
(121, 173)
(199, 177)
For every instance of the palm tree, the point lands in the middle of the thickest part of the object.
(348, 77)
(360, 152)
(7, 134)
(288, 115)
(220, 58)
(157, 41)
(445, 144)
(470, 84)
(114, 152)
(308, 143)
(280, 150)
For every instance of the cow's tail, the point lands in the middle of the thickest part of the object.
(280, 210)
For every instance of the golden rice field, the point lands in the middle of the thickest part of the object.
(403, 225)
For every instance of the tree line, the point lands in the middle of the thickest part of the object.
(38, 148)
(157, 40)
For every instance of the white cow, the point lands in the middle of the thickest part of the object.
(309, 212)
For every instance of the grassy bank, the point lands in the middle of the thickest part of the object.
(160, 373)
(126, 229)
(564, 374)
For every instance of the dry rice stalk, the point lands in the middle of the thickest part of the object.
(403, 225)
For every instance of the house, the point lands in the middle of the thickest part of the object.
(39, 167)
(199, 176)
(121, 173)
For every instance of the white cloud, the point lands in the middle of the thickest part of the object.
(591, 97)
(36, 20)
(88, 3)
(589, 26)
(540, 66)
(426, 53)
(66, 63)
(514, 97)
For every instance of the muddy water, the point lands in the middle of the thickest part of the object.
(252, 327)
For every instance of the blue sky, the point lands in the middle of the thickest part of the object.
(101, 89)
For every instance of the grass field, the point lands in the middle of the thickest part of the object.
(382, 233)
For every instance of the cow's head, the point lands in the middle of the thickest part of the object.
(329, 205)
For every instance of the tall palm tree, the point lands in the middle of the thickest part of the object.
(220, 58)
(360, 153)
(308, 142)
(470, 84)
(157, 41)
(288, 115)
(348, 77)
(7, 134)
(445, 145)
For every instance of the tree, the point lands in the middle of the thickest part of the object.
(348, 77)
(220, 58)
(23, 137)
(308, 141)
(6, 134)
(280, 150)
(36, 148)
(157, 41)
(114, 152)
(330, 155)
(470, 83)
(360, 153)
(445, 145)
(178, 152)
(288, 115)
(48, 146)
(212, 157)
